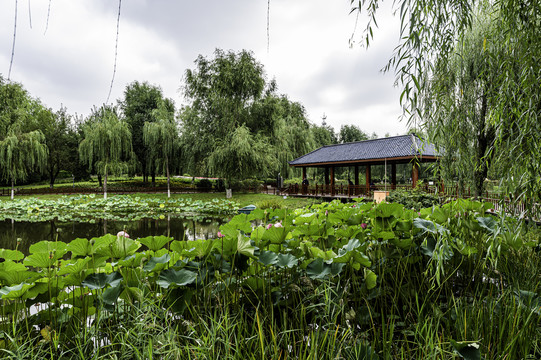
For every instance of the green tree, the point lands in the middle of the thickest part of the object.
(457, 104)
(140, 100)
(235, 115)
(429, 31)
(106, 145)
(323, 135)
(22, 148)
(21, 152)
(351, 133)
(162, 138)
(241, 155)
(60, 142)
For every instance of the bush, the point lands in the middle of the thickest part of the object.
(293, 181)
(414, 199)
(271, 182)
(219, 185)
(269, 204)
(204, 184)
(249, 184)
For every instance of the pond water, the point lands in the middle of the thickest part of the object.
(32, 232)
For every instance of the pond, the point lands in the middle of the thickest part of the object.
(176, 227)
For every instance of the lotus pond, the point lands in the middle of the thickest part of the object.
(333, 281)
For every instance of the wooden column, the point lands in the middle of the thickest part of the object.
(326, 176)
(414, 174)
(368, 179)
(393, 176)
(332, 180)
(356, 174)
(304, 172)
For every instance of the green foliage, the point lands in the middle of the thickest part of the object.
(476, 66)
(162, 141)
(87, 208)
(140, 105)
(236, 125)
(413, 199)
(107, 144)
(20, 152)
(351, 133)
(348, 277)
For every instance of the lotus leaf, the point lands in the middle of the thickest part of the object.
(180, 277)
(101, 280)
(467, 351)
(155, 243)
(80, 247)
(286, 261)
(268, 258)
(370, 279)
(318, 269)
(7, 254)
(151, 264)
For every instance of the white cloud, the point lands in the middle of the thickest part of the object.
(309, 54)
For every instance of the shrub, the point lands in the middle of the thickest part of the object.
(414, 199)
(269, 204)
(204, 184)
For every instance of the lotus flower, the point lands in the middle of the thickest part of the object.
(278, 224)
(269, 226)
(220, 235)
(364, 225)
(123, 233)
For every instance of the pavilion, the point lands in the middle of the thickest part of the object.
(385, 151)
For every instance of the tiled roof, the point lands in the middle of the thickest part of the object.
(377, 149)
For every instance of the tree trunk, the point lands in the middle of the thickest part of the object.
(168, 181)
(12, 188)
(153, 178)
(99, 180)
(483, 159)
(105, 185)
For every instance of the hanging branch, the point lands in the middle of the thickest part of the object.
(116, 51)
(30, 14)
(268, 25)
(48, 13)
(352, 38)
(13, 47)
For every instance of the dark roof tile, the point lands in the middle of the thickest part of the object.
(384, 148)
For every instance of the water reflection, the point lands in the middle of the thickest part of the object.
(32, 232)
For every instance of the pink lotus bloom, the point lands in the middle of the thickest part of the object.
(278, 224)
(269, 226)
(364, 225)
(326, 212)
(123, 234)
(220, 235)
(354, 206)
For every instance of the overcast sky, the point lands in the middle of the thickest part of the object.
(70, 62)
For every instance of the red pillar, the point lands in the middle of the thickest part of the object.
(368, 179)
(415, 174)
(393, 176)
(332, 180)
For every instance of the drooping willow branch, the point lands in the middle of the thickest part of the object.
(13, 46)
(116, 50)
(48, 13)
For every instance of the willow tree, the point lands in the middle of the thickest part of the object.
(458, 106)
(21, 152)
(106, 145)
(241, 155)
(429, 32)
(161, 137)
